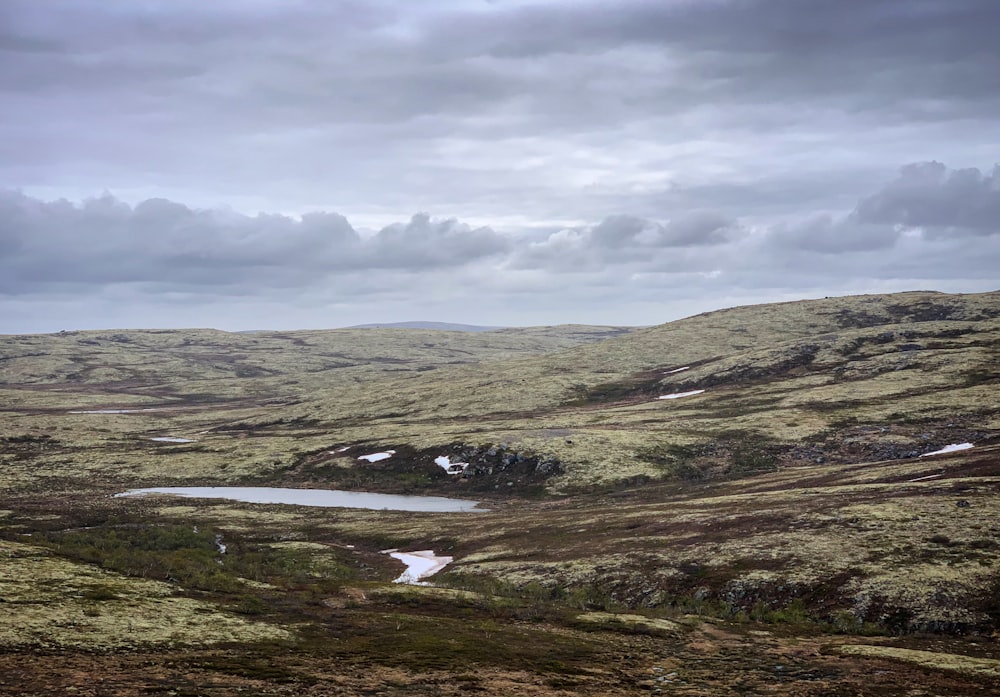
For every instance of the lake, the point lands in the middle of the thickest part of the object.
(326, 498)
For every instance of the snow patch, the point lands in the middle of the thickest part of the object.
(419, 565)
(929, 476)
(339, 450)
(954, 447)
(113, 411)
(376, 457)
(678, 395)
(677, 370)
(168, 439)
(449, 466)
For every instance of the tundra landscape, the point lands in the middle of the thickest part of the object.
(499, 347)
(799, 498)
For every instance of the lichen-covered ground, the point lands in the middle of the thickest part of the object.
(777, 533)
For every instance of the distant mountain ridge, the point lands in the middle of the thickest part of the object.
(440, 326)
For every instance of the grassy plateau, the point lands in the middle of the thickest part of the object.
(744, 502)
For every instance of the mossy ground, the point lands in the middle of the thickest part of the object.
(724, 543)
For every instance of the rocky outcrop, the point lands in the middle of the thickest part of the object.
(503, 465)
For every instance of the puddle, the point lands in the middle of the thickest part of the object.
(325, 498)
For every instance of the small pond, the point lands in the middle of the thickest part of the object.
(327, 498)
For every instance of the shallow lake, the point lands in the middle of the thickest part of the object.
(327, 498)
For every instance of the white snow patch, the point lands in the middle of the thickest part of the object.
(678, 395)
(340, 450)
(449, 466)
(678, 370)
(167, 439)
(219, 545)
(375, 457)
(113, 411)
(920, 479)
(954, 447)
(419, 565)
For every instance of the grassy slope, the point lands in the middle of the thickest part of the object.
(180, 355)
(783, 373)
(773, 519)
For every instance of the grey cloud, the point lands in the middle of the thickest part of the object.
(747, 140)
(698, 228)
(169, 260)
(757, 50)
(627, 239)
(913, 263)
(293, 100)
(426, 243)
(928, 196)
(833, 235)
(693, 228)
(925, 196)
(164, 244)
(161, 244)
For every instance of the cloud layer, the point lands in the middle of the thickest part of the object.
(104, 241)
(615, 161)
(917, 226)
(559, 111)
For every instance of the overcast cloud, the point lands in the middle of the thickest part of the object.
(248, 164)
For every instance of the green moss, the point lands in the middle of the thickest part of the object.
(968, 665)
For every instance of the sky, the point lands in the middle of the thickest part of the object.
(266, 164)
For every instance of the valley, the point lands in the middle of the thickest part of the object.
(800, 498)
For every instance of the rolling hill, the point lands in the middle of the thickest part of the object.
(799, 498)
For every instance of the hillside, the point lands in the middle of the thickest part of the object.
(779, 524)
(884, 375)
(145, 356)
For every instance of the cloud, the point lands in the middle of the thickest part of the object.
(689, 229)
(161, 243)
(627, 239)
(929, 197)
(919, 225)
(590, 156)
(926, 198)
(425, 243)
(828, 234)
(560, 111)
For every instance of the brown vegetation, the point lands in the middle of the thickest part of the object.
(776, 534)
